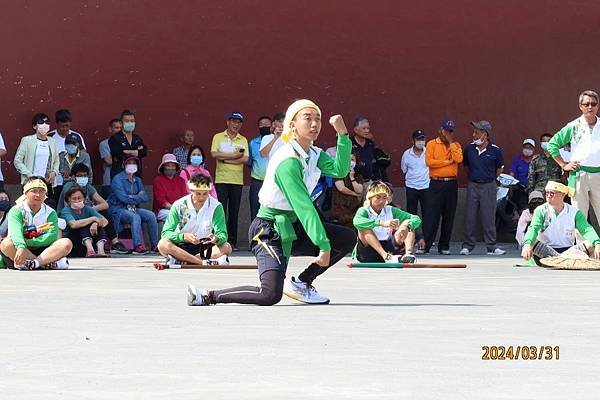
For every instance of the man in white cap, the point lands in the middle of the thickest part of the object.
(33, 237)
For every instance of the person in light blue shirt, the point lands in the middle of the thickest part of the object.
(258, 164)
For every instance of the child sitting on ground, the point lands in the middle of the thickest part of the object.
(384, 231)
(195, 231)
(85, 225)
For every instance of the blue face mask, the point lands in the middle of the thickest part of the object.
(4, 205)
(196, 160)
(128, 126)
(71, 148)
(82, 180)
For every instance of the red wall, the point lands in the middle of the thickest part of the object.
(403, 64)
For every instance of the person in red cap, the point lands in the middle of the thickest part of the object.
(167, 186)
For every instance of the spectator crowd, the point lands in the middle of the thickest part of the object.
(56, 173)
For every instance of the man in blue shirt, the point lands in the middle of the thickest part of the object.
(485, 162)
(258, 164)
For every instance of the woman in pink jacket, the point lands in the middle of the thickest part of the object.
(196, 166)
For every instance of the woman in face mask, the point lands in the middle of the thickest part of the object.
(167, 186)
(85, 226)
(126, 203)
(4, 207)
(37, 154)
(196, 166)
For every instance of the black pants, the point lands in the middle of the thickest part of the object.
(108, 229)
(77, 236)
(414, 197)
(441, 203)
(272, 265)
(230, 196)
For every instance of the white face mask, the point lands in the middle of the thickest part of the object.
(81, 180)
(131, 169)
(419, 144)
(527, 152)
(478, 142)
(42, 129)
(352, 164)
(544, 145)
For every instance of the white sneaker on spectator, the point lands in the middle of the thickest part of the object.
(465, 251)
(303, 292)
(497, 252)
(197, 297)
(420, 251)
(445, 252)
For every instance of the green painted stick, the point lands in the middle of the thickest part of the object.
(403, 265)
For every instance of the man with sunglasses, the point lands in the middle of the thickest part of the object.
(37, 154)
(584, 166)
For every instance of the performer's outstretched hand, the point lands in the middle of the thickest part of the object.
(322, 259)
(338, 124)
(527, 252)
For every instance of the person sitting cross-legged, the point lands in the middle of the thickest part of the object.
(85, 225)
(553, 225)
(383, 230)
(195, 231)
(33, 240)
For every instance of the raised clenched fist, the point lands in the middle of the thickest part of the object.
(338, 124)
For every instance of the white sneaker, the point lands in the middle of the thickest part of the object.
(63, 263)
(408, 259)
(392, 259)
(172, 262)
(497, 252)
(465, 251)
(445, 252)
(300, 291)
(420, 251)
(223, 260)
(196, 297)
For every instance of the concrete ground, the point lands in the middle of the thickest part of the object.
(116, 329)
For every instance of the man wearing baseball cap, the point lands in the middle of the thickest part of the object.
(485, 162)
(519, 168)
(230, 149)
(442, 156)
(416, 179)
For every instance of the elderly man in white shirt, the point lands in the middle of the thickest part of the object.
(416, 180)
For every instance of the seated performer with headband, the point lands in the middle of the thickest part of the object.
(194, 226)
(384, 230)
(553, 225)
(32, 240)
(292, 174)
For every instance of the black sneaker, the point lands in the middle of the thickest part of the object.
(118, 248)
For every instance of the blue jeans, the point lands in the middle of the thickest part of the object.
(135, 219)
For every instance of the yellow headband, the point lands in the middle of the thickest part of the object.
(199, 187)
(559, 187)
(377, 190)
(290, 114)
(35, 184)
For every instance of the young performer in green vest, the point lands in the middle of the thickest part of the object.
(383, 230)
(33, 241)
(553, 225)
(194, 226)
(287, 222)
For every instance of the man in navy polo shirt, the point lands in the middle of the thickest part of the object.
(485, 162)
